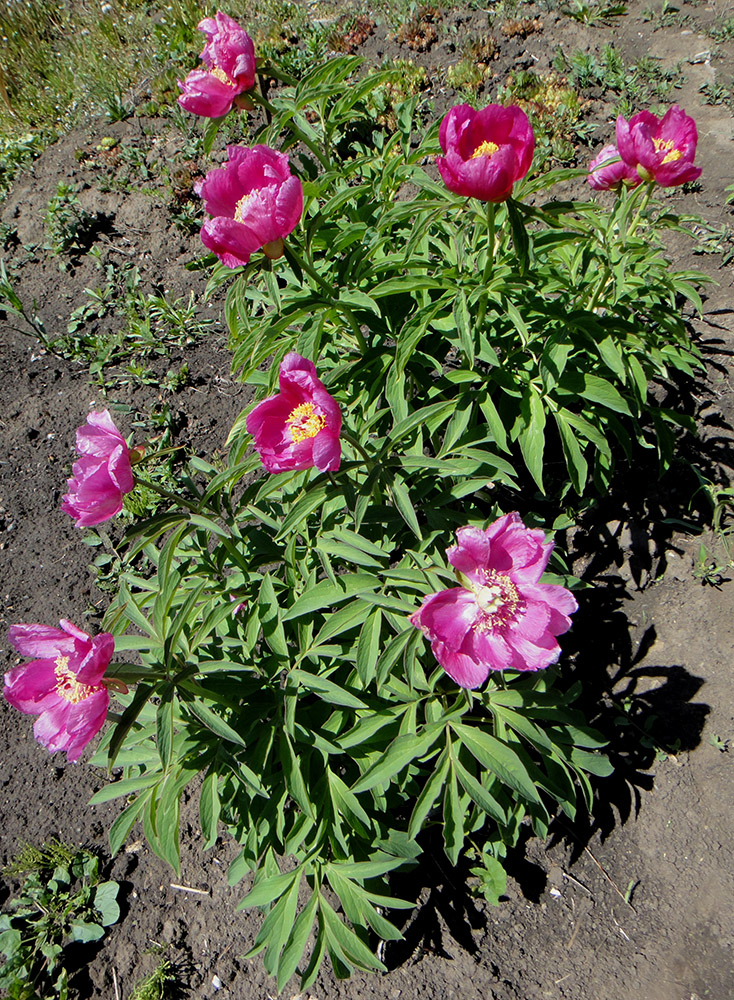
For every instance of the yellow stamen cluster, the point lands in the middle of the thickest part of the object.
(672, 155)
(498, 600)
(305, 422)
(219, 73)
(486, 148)
(67, 686)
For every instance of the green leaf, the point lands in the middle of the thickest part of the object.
(209, 808)
(429, 794)
(347, 942)
(83, 931)
(368, 647)
(164, 725)
(405, 507)
(398, 755)
(267, 890)
(326, 689)
(326, 594)
(214, 722)
(532, 434)
(498, 758)
(124, 787)
(293, 776)
(578, 467)
(478, 793)
(105, 902)
(453, 820)
(297, 941)
(311, 500)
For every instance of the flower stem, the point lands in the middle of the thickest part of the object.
(490, 242)
(168, 495)
(643, 205)
(323, 159)
(369, 461)
(307, 266)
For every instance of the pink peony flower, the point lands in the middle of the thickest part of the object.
(255, 201)
(299, 428)
(501, 618)
(660, 149)
(607, 170)
(229, 56)
(486, 151)
(103, 474)
(64, 686)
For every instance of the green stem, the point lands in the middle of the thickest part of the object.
(490, 242)
(328, 291)
(643, 205)
(178, 500)
(607, 272)
(321, 156)
(369, 461)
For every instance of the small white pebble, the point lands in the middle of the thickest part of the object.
(216, 982)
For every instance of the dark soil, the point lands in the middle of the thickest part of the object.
(634, 905)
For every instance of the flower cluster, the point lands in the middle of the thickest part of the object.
(658, 150)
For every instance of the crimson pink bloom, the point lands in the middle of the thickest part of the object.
(607, 170)
(255, 201)
(103, 474)
(64, 686)
(486, 151)
(501, 618)
(229, 57)
(299, 428)
(660, 149)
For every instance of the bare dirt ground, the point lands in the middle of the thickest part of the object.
(633, 905)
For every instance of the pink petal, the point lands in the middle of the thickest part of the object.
(447, 616)
(533, 655)
(327, 451)
(27, 687)
(92, 669)
(50, 727)
(40, 640)
(462, 669)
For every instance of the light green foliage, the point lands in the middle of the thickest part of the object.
(62, 900)
(151, 324)
(67, 223)
(594, 11)
(401, 80)
(723, 30)
(667, 15)
(16, 153)
(637, 86)
(159, 985)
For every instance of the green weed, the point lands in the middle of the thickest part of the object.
(67, 224)
(636, 86)
(723, 31)
(594, 11)
(554, 109)
(666, 16)
(63, 900)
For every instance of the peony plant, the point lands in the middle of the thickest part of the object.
(439, 350)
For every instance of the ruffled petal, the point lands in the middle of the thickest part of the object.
(447, 616)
